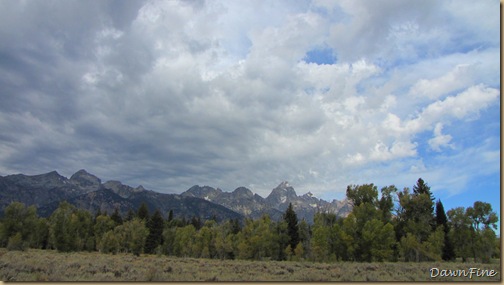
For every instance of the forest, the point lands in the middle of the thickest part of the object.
(393, 226)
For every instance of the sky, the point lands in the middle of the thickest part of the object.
(323, 94)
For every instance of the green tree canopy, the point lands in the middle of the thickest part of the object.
(18, 219)
(358, 194)
(481, 214)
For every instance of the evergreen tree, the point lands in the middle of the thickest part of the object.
(170, 216)
(290, 218)
(130, 215)
(155, 226)
(196, 222)
(422, 188)
(143, 212)
(98, 213)
(415, 223)
(442, 220)
(116, 217)
(280, 238)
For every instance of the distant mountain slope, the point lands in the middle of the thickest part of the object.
(86, 191)
(106, 200)
(43, 188)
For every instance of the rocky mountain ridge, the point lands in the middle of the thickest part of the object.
(86, 191)
(245, 202)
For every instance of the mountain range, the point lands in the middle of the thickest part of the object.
(86, 191)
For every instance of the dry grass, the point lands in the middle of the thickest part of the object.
(44, 265)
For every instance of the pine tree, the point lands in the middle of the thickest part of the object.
(419, 189)
(290, 218)
(196, 222)
(130, 215)
(422, 188)
(170, 216)
(116, 217)
(143, 212)
(442, 220)
(155, 226)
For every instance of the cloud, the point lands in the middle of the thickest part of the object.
(453, 80)
(439, 140)
(467, 103)
(169, 94)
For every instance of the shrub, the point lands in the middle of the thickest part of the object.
(16, 242)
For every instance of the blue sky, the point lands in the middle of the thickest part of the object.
(323, 94)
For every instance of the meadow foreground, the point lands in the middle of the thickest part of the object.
(47, 265)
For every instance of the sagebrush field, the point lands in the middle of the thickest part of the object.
(48, 265)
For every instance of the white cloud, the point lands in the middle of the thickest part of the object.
(453, 80)
(439, 140)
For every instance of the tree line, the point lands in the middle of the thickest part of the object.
(399, 225)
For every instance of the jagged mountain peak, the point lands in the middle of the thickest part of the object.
(282, 195)
(85, 189)
(285, 187)
(85, 179)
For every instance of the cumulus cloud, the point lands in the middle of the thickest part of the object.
(169, 94)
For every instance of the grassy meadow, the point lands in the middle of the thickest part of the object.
(47, 265)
